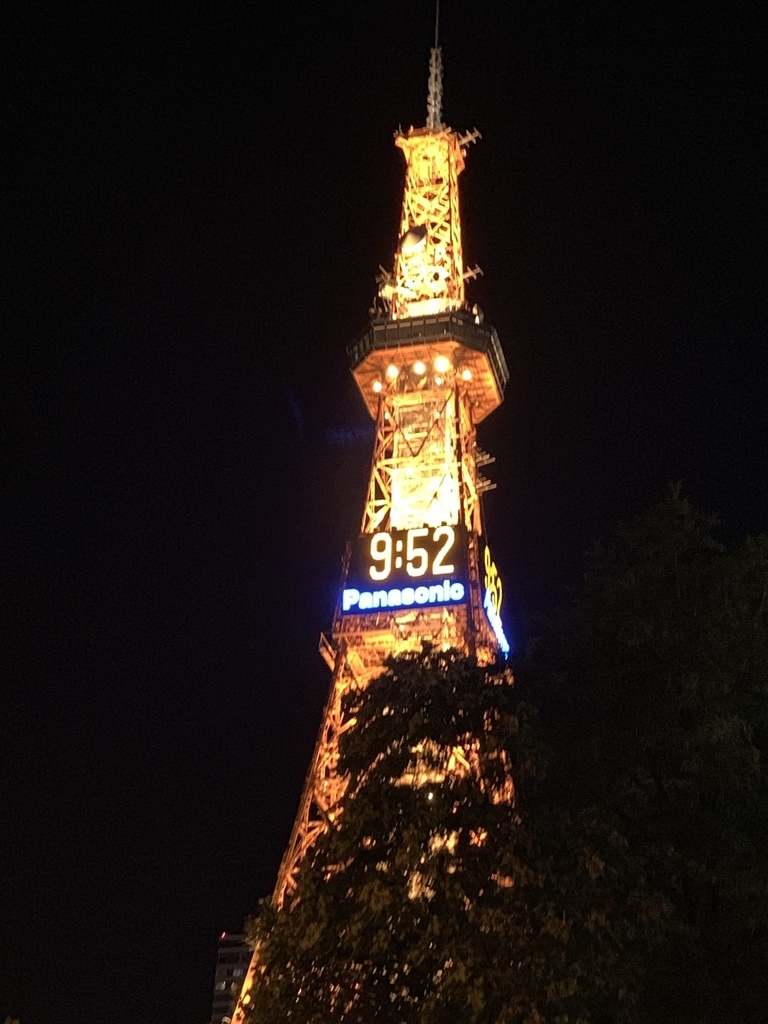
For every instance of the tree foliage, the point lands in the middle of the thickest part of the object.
(436, 901)
(654, 689)
(627, 882)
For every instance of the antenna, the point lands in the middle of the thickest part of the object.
(435, 94)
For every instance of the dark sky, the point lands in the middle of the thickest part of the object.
(198, 202)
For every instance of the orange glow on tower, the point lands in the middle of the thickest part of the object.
(428, 370)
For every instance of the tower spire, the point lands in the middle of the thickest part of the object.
(435, 92)
(428, 273)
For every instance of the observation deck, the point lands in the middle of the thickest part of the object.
(472, 350)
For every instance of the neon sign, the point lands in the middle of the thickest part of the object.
(492, 600)
(447, 592)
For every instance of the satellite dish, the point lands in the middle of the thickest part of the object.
(414, 239)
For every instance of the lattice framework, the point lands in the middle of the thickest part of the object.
(428, 274)
(424, 473)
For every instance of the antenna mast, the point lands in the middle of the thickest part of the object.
(435, 94)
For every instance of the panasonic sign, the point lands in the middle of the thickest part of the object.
(447, 592)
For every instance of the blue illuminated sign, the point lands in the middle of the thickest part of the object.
(495, 621)
(447, 592)
(492, 600)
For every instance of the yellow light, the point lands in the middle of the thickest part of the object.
(377, 386)
(392, 371)
(438, 381)
(466, 375)
(442, 364)
(419, 368)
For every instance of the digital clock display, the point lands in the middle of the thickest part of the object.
(401, 568)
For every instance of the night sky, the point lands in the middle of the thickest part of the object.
(197, 203)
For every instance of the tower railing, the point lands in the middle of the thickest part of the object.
(463, 327)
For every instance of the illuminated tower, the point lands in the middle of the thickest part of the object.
(429, 370)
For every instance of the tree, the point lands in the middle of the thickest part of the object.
(626, 882)
(654, 690)
(433, 899)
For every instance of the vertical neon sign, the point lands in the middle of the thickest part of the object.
(492, 600)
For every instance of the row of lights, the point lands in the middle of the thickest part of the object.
(442, 364)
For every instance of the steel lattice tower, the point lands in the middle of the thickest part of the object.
(429, 370)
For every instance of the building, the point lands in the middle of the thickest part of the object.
(232, 961)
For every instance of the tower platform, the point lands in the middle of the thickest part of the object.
(472, 348)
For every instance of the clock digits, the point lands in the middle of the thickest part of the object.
(381, 551)
(418, 558)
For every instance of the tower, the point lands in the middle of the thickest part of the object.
(429, 370)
